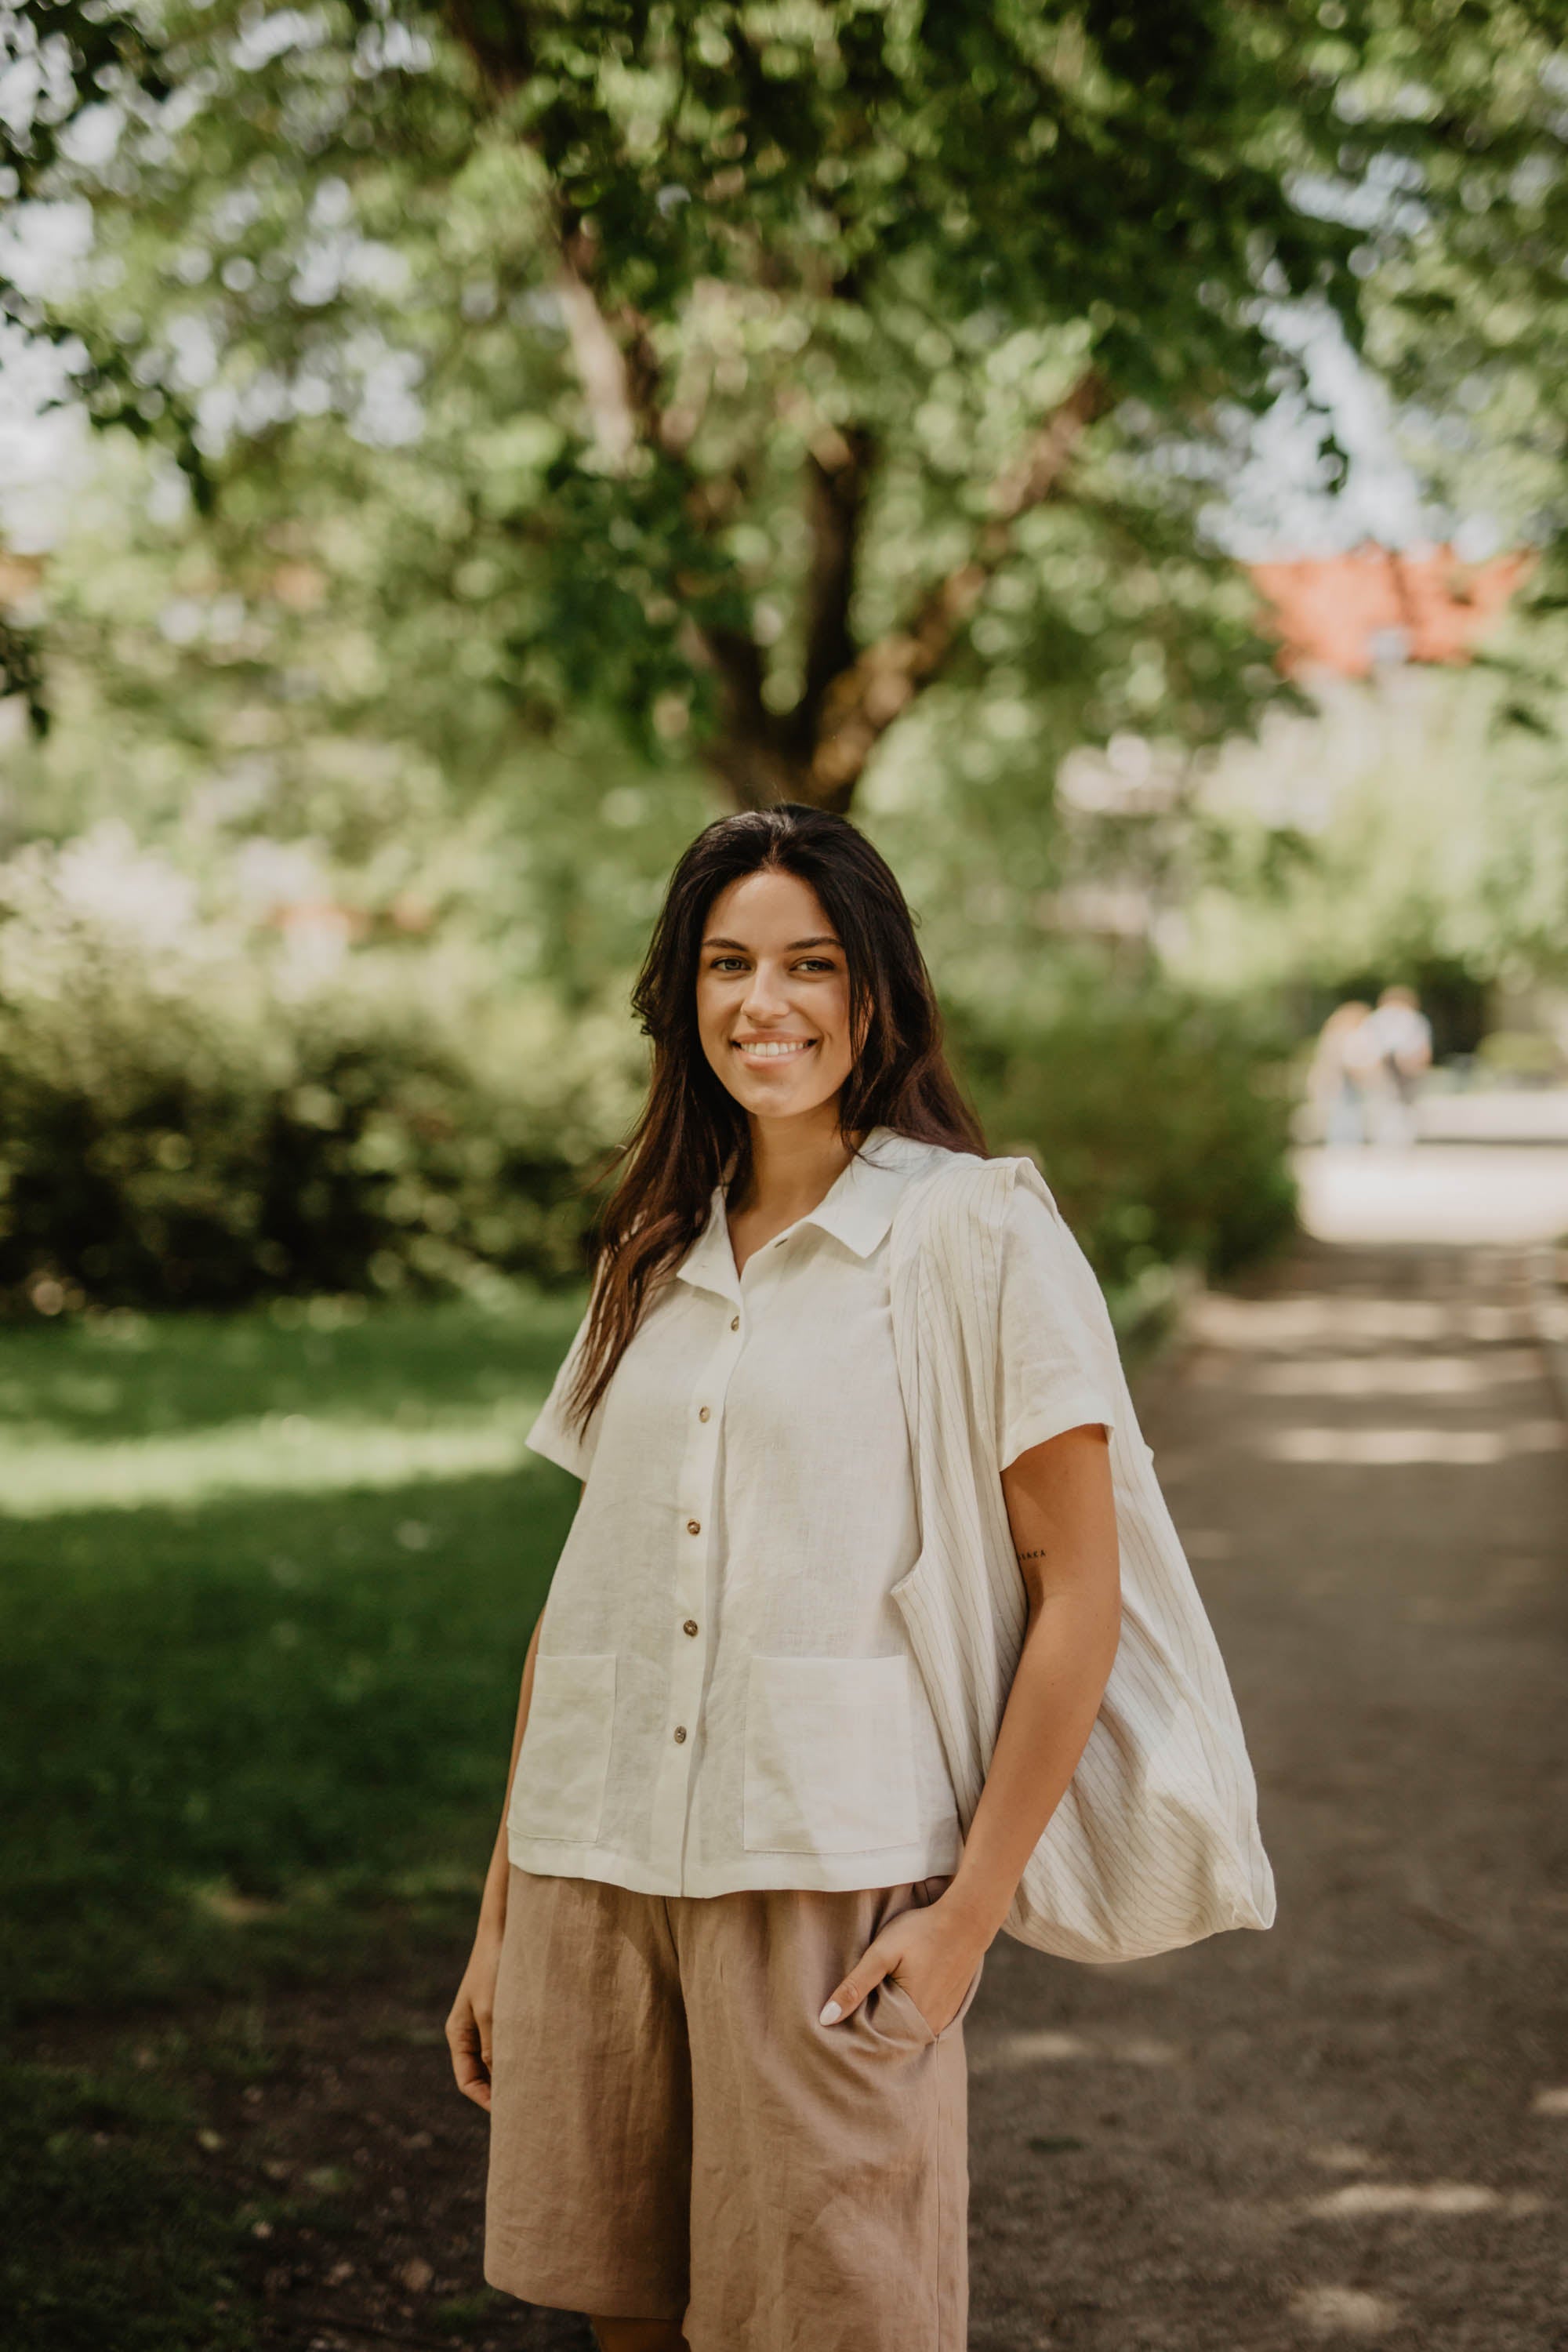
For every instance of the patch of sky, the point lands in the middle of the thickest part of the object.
(392, 48)
(389, 414)
(1278, 498)
(266, 37)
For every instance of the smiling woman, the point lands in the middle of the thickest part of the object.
(826, 1644)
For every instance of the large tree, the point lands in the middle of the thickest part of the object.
(745, 369)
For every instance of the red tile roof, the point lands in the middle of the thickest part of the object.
(1345, 613)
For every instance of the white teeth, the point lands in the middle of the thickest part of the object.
(772, 1045)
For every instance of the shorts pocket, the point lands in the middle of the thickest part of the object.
(897, 2002)
(558, 1790)
(895, 2007)
(829, 1756)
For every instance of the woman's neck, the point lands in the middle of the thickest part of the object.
(794, 1162)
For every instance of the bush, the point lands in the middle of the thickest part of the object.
(1160, 1123)
(196, 1109)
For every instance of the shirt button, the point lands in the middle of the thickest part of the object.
(734, 1322)
(694, 1527)
(704, 1412)
(680, 1733)
(690, 1626)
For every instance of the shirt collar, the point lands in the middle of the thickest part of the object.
(710, 1262)
(857, 1210)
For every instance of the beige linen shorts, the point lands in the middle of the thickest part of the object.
(673, 2136)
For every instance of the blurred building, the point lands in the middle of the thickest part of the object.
(1352, 615)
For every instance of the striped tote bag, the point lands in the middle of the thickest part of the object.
(1155, 1842)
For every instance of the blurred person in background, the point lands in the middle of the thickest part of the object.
(1403, 1036)
(1344, 1065)
(738, 1906)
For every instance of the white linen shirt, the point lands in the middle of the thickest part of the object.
(724, 1692)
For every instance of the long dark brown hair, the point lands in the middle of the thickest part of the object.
(692, 1134)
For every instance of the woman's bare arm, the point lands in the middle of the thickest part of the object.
(472, 2012)
(1063, 1518)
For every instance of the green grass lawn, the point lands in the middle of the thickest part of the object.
(267, 1587)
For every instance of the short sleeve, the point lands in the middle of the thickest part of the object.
(561, 1440)
(1058, 1366)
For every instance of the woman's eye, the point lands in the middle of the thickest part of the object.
(810, 965)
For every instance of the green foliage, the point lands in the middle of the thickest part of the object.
(192, 1111)
(1469, 329)
(1160, 1123)
(1432, 834)
(586, 396)
(263, 739)
(665, 363)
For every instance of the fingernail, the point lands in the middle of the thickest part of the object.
(831, 2015)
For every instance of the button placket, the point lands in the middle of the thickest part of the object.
(691, 1610)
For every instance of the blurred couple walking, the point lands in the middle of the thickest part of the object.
(1367, 1069)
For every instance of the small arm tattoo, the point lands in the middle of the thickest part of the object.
(1038, 1553)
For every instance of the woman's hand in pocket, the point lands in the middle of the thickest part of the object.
(933, 1953)
(469, 2026)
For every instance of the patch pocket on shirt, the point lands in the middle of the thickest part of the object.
(558, 1790)
(829, 1764)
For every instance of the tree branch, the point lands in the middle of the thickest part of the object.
(601, 366)
(619, 375)
(861, 702)
(746, 752)
(497, 39)
(616, 364)
(836, 500)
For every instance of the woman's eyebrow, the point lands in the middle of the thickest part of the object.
(795, 946)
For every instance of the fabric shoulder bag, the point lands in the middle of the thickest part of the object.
(1155, 1842)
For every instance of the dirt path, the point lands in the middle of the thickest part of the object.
(1355, 2129)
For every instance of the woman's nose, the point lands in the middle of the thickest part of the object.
(765, 997)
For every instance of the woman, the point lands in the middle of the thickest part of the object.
(740, 1903)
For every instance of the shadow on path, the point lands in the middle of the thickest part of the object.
(1355, 2129)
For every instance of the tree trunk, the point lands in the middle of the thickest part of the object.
(818, 752)
(757, 775)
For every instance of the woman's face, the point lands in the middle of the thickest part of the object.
(773, 997)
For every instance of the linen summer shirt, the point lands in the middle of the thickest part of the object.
(724, 1691)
